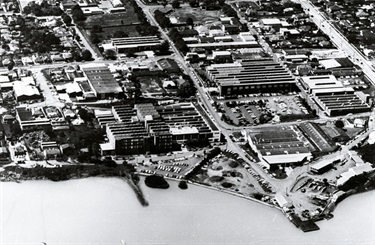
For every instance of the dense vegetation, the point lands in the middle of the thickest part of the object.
(360, 183)
(39, 39)
(367, 153)
(176, 37)
(183, 185)
(44, 9)
(156, 181)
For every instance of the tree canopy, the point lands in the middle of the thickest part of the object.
(44, 9)
(78, 14)
(175, 4)
(86, 55)
(66, 18)
(339, 124)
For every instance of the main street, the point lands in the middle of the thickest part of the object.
(204, 99)
(338, 39)
(227, 130)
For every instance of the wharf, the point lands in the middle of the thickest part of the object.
(304, 225)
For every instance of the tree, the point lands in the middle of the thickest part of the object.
(339, 124)
(119, 34)
(66, 18)
(95, 148)
(129, 168)
(190, 21)
(352, 38)
(193, 3)
(78, 14)
(95, 38)
(110, 54)
(11, 65)
(308, 54)
(84, 115)
(96, 28)
(175, 4)
(164, 48)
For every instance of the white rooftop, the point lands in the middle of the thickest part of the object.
(285, 158)
(272, 21)
(320, 82)
(331, 63)
(183, 130)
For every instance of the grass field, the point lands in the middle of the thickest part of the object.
(197, 14)
(110, 20)
(110, 23)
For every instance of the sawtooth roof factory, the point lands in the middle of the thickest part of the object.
(251, 76)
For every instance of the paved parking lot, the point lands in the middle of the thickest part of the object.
(252, 110)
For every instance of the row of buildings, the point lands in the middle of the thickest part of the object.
(326, 94)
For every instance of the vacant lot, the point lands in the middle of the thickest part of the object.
(115, 19)
(197, 14)
(150, 85)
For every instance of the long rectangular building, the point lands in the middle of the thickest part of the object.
(225, 45)
(122, 45)
(251, 76)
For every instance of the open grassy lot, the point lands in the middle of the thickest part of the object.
(226, 172)
(114, 19)
(150, 85)
(130, 30)
(197, 14)
(110, 23)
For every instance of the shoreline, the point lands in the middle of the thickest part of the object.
(85, 171)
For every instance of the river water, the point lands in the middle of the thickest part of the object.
(106, 211)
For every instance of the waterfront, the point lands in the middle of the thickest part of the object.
(106, 210)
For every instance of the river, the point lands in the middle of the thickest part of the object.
(106, 211)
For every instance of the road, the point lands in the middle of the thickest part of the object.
(86, 43)
(227, 130)
(204, 98)
(338, 39)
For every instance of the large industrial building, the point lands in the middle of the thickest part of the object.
(146, 128)
(188, 121)
(279, 145)
(327, 94)
(121, 45)
(251, 76)
(101, 82)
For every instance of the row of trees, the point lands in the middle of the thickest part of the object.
(229, 11)
(176, 37)
(162, 19)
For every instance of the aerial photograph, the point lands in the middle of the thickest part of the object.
(181, 122)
